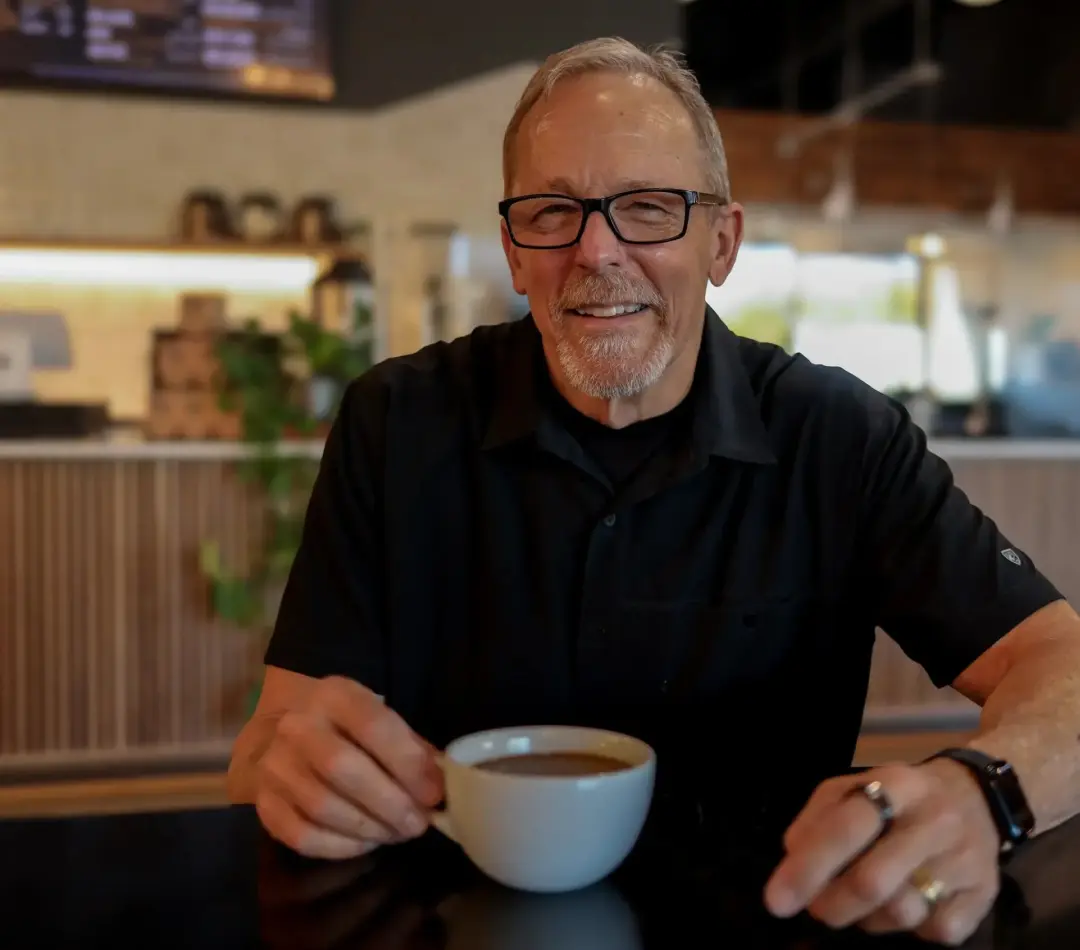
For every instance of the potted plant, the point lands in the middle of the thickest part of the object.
(287, 389)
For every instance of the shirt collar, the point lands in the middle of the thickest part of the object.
(726, 416)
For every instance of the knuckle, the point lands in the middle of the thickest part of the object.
(338, 765)
(868, 884)
(907, 914)
(271, 768)
(317, 804)
(391, 804)
(901, 778)
(330, 693)
(293, 725)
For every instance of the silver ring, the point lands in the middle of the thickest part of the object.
(874, 792)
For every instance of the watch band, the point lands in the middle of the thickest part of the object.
(1000, 786)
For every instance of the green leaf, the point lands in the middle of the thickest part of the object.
(266, 379)
(236, 600)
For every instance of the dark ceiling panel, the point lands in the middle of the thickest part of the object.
(391, 49)
(1014, 64)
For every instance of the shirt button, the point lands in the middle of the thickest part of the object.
(609, 520)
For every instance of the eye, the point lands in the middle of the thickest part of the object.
(647, 206)
(554, 209)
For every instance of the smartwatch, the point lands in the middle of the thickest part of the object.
(1006, 799)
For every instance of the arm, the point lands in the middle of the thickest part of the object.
(331, 769)
(970, 607)
(1029, 687)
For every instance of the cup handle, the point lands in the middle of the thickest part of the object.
(440, 820)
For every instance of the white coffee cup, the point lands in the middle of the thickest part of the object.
(546, 833)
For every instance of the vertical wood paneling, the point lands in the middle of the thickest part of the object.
(1036, 504)
(106, 638)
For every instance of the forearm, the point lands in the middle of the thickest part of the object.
(241, 783)
(1032, 720)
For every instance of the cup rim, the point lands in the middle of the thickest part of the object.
(648, 761)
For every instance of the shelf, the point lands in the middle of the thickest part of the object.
(238, 248)
(225, 265)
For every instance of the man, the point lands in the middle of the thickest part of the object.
(616, 513)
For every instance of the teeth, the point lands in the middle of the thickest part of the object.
(616, 311)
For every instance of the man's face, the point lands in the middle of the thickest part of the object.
(597, 135)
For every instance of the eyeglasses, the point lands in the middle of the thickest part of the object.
(641, 216)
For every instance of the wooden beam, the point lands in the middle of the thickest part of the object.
(904, 165)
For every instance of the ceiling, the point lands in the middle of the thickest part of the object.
(1015, 63)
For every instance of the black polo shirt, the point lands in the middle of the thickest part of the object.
(466, 557)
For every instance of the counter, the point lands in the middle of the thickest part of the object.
(108, 650)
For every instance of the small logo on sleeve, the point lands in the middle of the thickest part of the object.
(1010, 555)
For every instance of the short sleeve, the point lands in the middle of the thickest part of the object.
(945, 583)
(331, 617)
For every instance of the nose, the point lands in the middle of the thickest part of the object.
(598, 247)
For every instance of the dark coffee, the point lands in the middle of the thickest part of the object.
(554, 763)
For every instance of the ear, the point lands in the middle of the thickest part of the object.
(513, 259)
(728, 235)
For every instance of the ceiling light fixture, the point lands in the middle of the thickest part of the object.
(978, 3)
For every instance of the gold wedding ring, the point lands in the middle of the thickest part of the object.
(931, 888)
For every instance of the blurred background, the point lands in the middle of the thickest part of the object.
(214, 212)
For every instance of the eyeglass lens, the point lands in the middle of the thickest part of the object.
(549, 221)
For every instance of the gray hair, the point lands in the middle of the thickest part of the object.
(614, 54)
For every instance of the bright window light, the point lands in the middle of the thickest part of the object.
(181, 270)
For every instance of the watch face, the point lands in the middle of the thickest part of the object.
(1007, 788)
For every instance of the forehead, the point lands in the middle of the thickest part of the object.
(600, 130)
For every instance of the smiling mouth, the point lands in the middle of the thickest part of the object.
(616, 310)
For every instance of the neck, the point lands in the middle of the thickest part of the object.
(662, 396)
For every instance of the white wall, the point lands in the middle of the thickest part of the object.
(76, 166)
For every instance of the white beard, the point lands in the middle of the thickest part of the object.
(607, 365)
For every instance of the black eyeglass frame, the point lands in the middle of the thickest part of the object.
(603, 205)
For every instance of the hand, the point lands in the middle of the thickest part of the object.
(838, 868)
(345, 774)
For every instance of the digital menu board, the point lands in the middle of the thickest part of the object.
(263, 48)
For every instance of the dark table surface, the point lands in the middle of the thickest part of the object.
(207, 879)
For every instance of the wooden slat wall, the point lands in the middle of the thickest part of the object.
(106, 640)
(107, 645)
(1037, 505)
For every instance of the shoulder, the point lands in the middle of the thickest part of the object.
(802, 401)
(437, 381)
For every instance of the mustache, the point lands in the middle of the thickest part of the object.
(608, 289)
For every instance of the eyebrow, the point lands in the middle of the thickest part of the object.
(564, 186)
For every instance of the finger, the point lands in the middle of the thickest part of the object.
(959, 870)
(826, 795)
(295, 781)
(838, 836)
(884, 871)
(386, 737)
(956, 918)
(351, 772)
(904, 912)
(287, 825)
